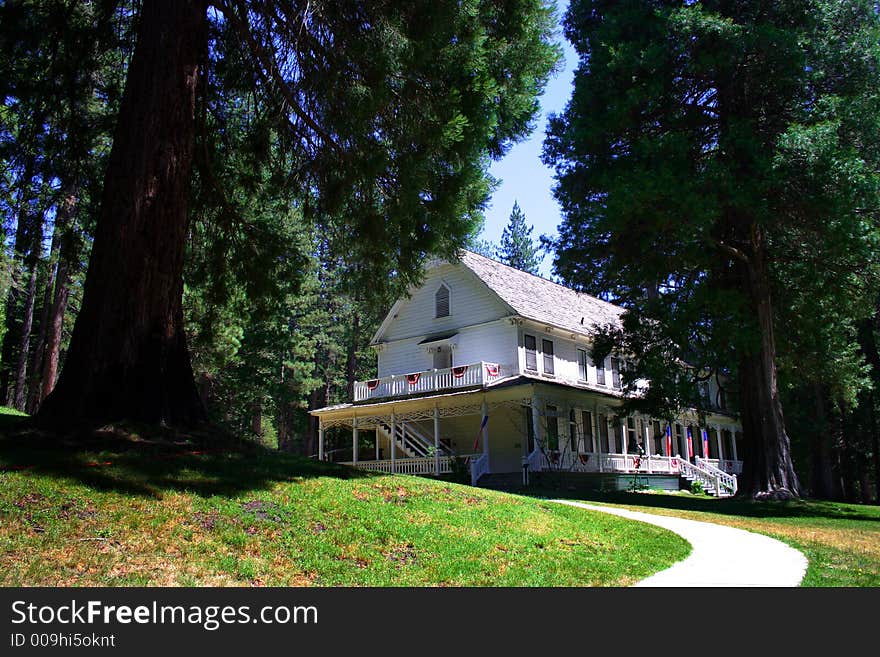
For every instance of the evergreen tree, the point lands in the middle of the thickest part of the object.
(387, 113)
(718, 170)
(516, 248)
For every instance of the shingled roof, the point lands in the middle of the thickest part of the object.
(541, 300)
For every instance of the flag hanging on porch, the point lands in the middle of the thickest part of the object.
(690, 444)
(482, 426)
(459, 371)
(705, 444)
(492, 369)
(372, 384)
(668, 440)
(413, 379)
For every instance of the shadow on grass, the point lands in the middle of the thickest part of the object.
(149, 462)
(805, 508)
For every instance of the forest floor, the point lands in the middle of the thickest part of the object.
(118, 507)
(841, 541)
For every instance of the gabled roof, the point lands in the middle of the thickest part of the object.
(530, 297)
(540, 300)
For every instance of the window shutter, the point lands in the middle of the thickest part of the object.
(441, 300)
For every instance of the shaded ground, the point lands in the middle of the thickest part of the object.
(123, 506)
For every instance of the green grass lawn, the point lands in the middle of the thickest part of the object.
(127, 511)
(841, 541)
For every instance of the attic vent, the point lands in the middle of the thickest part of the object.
(441, 302)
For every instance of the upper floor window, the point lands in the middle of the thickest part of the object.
(600, 373)
(615, 373)
(547, 348)
(582, 364)
(441, 302)
(531, 346)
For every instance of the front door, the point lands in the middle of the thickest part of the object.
(442, 358)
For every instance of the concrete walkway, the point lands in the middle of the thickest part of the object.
(720, 556)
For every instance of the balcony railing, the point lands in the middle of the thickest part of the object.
(399, 385)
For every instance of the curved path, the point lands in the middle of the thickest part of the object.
(720, 556)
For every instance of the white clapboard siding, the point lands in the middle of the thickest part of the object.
(470, 303)
(494, 343)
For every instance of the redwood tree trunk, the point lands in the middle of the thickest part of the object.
(128, 357)
(27, 323)
(768, 471)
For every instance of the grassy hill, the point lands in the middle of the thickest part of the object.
(132, 509)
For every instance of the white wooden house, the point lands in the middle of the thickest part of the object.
(491, 364)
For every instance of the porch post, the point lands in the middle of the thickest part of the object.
(354, 441)
(484, 419)
(720, 451)
(377, 443)
(623, 435)
(393, 444)
(320, 440)
(536, 423)
(598, 437)
(436, 441)
(733, 445)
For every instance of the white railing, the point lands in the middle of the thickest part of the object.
(601, 462)
(724, 482)
(711, 477)
(397, 385)
(417, 466)
(730, 466)
(479, 467)
(412, 441)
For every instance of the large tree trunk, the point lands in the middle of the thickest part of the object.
(24, 338)
(67, 256)
(128, 357)
(768, 472)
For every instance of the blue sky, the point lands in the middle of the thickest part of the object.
(524, 177)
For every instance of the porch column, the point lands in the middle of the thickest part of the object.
(484, 419)
(320, 440)
(597, 437)
(536, 424)
(354, 441)
(718, 442)
(393, 444)
(733, 445)
(377, 443)
(623, 435)
(436, 441)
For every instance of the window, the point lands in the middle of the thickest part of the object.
(552, 429)
(615, 373)
(600, 373)
(582, 364)
(547, 348)
(602, 426)
(441, 302)
(658, 438)
(531, 353)
(573, 433)
(587, 419)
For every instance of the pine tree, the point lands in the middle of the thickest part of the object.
(718, 171)
(516, 248)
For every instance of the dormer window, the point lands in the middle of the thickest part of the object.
(441, 302)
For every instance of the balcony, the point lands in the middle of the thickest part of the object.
(450, 378)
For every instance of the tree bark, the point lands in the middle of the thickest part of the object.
(67, 256)
(768, 471)
(24, 338)
(128, 357)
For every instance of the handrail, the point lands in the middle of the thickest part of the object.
(397, 385)
(725, 479)
(717, 479)
(479, 467)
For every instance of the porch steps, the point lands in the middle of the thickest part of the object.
(413, 442)
(715, 482)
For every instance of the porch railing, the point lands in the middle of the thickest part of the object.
(398, 385)
(479, 467)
